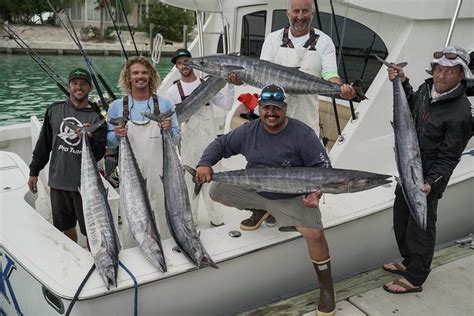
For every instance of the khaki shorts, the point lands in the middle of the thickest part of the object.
(289, 213)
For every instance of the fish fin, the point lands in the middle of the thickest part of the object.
(95, 126)
(389, 65)
(71, 125)
(399, 181)
(197, 186)
(157, 117)
(118, 121)
(391, 123)
(207, 260)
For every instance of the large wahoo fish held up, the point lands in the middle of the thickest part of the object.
(178, 208)
(199, 97)
(136, 204)
(259, 73)
(407, 153)
(299, 180)
(101, 234)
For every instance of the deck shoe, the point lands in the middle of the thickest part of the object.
(216, 225)
(254, 221)
(327, 297)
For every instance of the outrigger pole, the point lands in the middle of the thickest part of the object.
(87, 60)
(128, 26)
(56, 77)
(109, 9)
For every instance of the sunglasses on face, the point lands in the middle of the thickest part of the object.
(277, 96)
(450, 56)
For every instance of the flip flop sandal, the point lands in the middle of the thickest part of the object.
(399, 269)
(408, 288)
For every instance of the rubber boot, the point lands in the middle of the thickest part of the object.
(327, 297)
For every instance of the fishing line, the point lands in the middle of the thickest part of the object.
(109, 9)
(122, 6)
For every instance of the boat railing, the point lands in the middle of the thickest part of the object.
(156, 48)
(200, 19)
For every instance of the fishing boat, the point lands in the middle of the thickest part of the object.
(41, 269)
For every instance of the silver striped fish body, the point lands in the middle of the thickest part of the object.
(302, 180)
(199, 97)
(259, 73)
(178, 208)
(137, 208)
(101, 234)
(408, 157)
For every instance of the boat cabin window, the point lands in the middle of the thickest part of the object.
(253, 33)
(359, 43)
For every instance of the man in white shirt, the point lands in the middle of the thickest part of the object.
(199, 130)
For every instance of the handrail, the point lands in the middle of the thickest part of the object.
(156, 48)
(453, 22)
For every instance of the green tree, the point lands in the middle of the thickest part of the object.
(168, 20)
(22, 11)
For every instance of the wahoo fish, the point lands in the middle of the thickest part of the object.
(136, 204)
(199, 97)
(178, 208)
(101, 234)
(298, 180)
(259, 73)
(407, 153)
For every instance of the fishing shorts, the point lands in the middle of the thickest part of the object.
(67, 210)
(289, 213)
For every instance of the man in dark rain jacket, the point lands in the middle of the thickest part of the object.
(442, 114)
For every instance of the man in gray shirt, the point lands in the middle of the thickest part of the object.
(276, 140)
(65, 148)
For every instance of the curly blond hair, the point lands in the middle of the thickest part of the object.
(124, 79)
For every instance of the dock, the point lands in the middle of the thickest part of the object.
(449, 290)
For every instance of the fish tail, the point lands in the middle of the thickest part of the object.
(357, 85)
(197, 186)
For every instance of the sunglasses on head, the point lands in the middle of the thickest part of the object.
(277, 96)
(450, 56)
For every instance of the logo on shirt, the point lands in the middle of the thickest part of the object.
(67, 134)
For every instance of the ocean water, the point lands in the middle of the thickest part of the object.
(26, 90)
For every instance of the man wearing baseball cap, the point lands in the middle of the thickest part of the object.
(199, 129)
(442, 115)
(65, 148)
(276, 140)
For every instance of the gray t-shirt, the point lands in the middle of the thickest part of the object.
(295, 146)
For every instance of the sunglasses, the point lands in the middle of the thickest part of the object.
(450, 56)
(277, 96)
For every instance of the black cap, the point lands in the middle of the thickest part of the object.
(273, 95)
(80, 73)
(182, 52)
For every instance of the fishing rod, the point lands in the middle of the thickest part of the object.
(87, 59)
(367, 55)
(122, 6)
(109, 9)
(53, 75)
(342, 57)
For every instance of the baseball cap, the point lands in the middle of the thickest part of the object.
(451, 56)
(80, 73)
(273, 95)
(182, 52)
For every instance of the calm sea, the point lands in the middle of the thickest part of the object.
(26, 90)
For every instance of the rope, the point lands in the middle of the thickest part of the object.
(135, 286)
(76, 296)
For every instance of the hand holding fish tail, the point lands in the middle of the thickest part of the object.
(348, 92)
(204, 174)
(166, 124)
(395, 71)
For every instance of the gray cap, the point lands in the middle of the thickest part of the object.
(463, 59)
